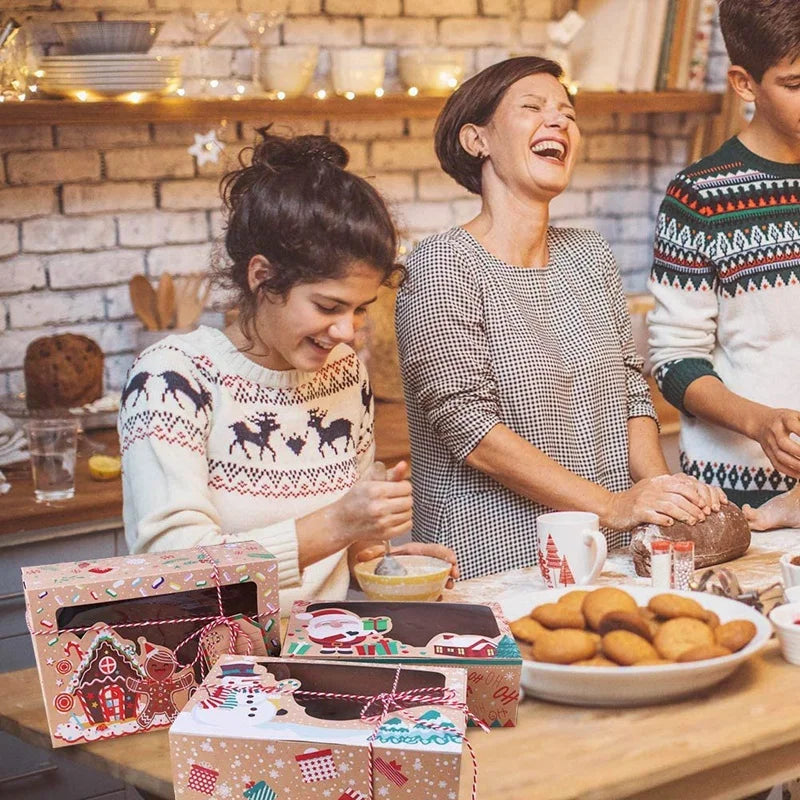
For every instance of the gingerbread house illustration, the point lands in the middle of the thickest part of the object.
(99, 680)
(463, 646)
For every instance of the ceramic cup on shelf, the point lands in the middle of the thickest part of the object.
(434, 71)
(359, 70)
(288, 68)
(572, 550)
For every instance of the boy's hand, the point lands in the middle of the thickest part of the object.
(774, 433)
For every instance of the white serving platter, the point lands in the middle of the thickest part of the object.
(632, 686)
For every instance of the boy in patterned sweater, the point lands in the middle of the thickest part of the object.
(724, 334)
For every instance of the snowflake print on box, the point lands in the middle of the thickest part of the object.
(319, 747)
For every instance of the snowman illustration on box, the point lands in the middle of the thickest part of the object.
(244, 696)
(337, 630)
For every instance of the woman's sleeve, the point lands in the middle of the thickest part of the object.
(163, 435)
(683, 324)
(640, 404)
(444, 354)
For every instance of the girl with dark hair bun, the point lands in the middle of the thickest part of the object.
(264, 431)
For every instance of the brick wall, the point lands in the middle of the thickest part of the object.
(82, 209)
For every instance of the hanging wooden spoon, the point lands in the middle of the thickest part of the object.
(143, 300)
(165, 301)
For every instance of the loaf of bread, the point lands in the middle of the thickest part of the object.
(722, 536)
(63, 371)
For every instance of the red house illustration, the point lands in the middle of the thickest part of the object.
(99, 680)
(463, 646)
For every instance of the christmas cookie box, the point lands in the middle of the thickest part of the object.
(270, 729)
(475, 637)
(121, 643)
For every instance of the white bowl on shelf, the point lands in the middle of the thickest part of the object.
(359, 70)
(111, 36)
(288, 68)
(786, 619)
(437, 71)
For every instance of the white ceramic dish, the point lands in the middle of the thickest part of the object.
(786, 619)
(632, 686)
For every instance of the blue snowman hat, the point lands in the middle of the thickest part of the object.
(238, 670)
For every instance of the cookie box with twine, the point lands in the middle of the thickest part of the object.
(473, 637)
(121, 643)
(268, 728)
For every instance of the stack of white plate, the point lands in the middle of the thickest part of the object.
(110, 74)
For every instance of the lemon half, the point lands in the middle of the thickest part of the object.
(105, 468)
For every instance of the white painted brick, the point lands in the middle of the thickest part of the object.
(21, 274)
(51, 308)
(465, 210)
(9, 239)
(495, 8)
(102, 135)
(91, 198)
(442, 8)
(404, 154)
(182, 133)
(283, 126)
(621, 202)
(25, 137)
(53, 167)
(162, 227)
(113, 336)
(437, 185)
(196, 5)
(358, 155)
(366, 129)
(632, 123)
(179, 259)
(15, 381)
(474, 32)
(421, 128)
(185, 195)
(149, 162)
(209, 62)
(362, 8)
(216, 225)
(607, 227)
(538, 9)
(679, 152)
(717, 73)
(570, 204)
(57, 234)
(27, 201)
(313, 30)
(633, 257)
(76, 270)
(300, 7)
(673, 124)
(226, 161)
(116, 369)
(533, 33)
(662, 176)
(122, 5)
(636, 228)
(592, 124)
(486, 56)
(622, 147)
(424, 216)
(393, 186)
(591, 175)
(13, 344)
(660, 151)
(118, 299)
(399, 31)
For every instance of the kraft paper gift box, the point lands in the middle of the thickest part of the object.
(121, 643)
(475, 637)
(271, 729)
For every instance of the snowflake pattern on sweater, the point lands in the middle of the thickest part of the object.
(726, 279)
(216, 447)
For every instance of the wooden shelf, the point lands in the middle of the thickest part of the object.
(73, 112)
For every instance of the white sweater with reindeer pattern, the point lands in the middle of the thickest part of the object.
(216, 448)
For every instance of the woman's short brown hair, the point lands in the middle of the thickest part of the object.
(760, 33)
(475, 101)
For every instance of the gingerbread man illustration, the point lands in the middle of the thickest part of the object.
(160, 685)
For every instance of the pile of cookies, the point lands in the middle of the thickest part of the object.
(606, 628)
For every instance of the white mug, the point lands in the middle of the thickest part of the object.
(571, 548)
(790, 572)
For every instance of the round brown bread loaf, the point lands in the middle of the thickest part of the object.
(63, 371)
(722, 536)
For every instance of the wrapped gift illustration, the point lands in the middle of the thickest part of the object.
(474, 637)
(324, 730)
(121, 643)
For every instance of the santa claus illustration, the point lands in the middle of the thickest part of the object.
(337, 630)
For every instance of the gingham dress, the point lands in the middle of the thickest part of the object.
(546, 352)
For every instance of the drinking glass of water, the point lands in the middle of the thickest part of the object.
(53, 447)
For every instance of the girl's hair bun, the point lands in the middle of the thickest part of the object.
(278, 153)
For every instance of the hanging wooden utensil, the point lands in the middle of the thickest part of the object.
(191, 293)
(143, 300)
(165, 301)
